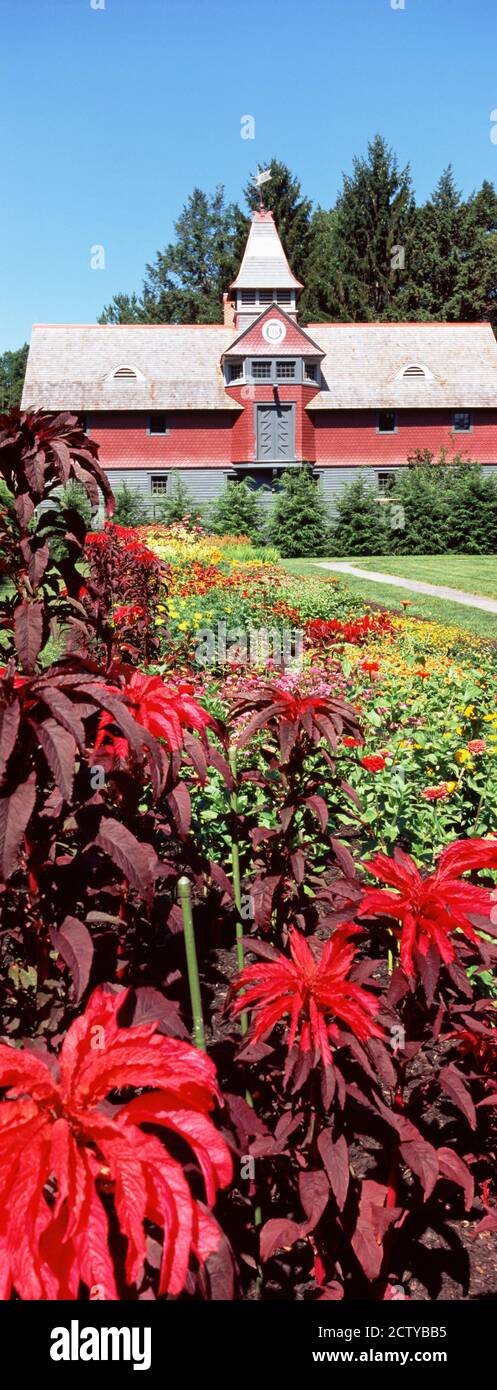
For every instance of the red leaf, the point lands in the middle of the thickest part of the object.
(454, 1168)
(59, 748)
(9, 725)
(137, 861)
(74, 944)
(454, 1086)
(422, 1159)
(278, 1234)
(314, 1192)
(28, 633)
(15, 812)
(335, 1156)
(318, 805)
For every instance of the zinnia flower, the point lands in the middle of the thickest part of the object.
(476, 745)
(430, 909)
(313, 993)
(373, 762)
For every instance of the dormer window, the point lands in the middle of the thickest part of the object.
(414, 371)
(310, 371)
(285, 371)
(235, 372)
(125, 374)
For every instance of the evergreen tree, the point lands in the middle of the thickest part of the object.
(177, 504)
(361, 522)
(291, 211)
(185, 284)
(299, 523)
(374, 214)
(12, 373)
(237, 512)
(130, 509)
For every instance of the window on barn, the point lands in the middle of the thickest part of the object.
(266, 296)
(125, 374)
(414, 370)
(157, 423)
(387, 422)
(461, 421)
(311, 371)
(283, 296)
(235, 371)
(158, 484)
(261, 371)
(248, 296)
(285, 370)
(385, 482)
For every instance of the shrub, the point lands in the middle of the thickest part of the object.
(177, 504)
(359, 525)
(130, 508)
(299, 524)
(238, 511)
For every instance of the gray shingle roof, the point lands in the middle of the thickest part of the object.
(69, 366)
(264, 265)
(364, 362)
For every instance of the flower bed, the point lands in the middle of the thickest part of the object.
(248, 932)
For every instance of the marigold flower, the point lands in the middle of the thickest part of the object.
(314, 993)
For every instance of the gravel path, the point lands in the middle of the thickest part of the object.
(435, 590)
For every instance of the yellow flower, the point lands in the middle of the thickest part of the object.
(451, 786)
(470, 709)
(183, 627)
(462, 756)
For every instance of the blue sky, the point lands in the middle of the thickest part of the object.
(110, 116)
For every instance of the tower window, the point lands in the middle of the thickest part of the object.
(311, 371)
(461, 421)
(285, 370)
(248, 296)
(157, 423)
(235, 371)
(266, 296)
(387, 422)
(261, 371)
(283, 296)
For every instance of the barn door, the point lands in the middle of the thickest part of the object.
(275, 433)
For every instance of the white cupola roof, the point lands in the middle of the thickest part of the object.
(264, 264)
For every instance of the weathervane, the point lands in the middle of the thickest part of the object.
(263, 176)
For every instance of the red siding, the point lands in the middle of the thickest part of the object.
(196, 438)
(350, 437)
(214, 439)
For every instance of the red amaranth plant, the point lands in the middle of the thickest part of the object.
(128, 582)
(431, 909)
(67, 1157)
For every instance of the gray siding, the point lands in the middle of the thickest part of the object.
(205, 484)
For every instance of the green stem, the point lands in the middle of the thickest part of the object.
(237, 886)
(185, 900)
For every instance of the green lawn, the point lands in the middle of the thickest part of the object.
(476, 574)
(450, 570)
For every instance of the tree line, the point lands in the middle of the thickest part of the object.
(374, 255)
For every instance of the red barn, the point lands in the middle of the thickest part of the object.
(260, 393)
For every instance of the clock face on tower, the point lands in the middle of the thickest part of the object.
(274, 331)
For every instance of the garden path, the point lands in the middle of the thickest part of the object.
(418, 585)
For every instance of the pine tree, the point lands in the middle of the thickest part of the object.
(130, 509)
(237, 512)
(373, 215)
(177, 504)
(12, 373)
(361, 522)
(299, 523)
(185, 283)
